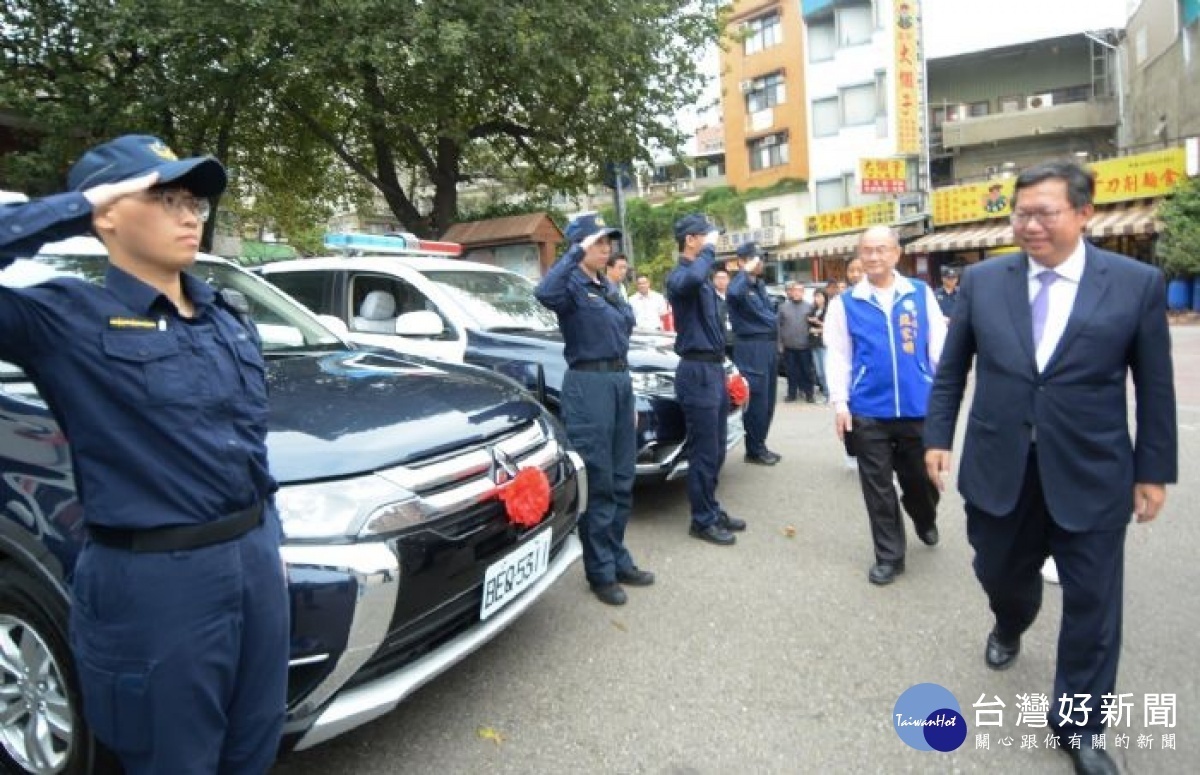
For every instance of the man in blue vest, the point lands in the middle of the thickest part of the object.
(755, 350)
(883, 338)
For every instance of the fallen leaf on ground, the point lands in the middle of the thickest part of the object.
(487, 733)
(789, 531)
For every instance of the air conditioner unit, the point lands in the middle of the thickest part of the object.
(746, 86)
(769, 140)
(1039, 101)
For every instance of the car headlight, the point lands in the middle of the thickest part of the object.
(363, 506)
(653, 381)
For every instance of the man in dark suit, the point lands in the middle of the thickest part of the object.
(1048, 466)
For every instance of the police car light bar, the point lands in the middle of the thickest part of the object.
(389, 244)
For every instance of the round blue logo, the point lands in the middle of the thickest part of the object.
(927, 717)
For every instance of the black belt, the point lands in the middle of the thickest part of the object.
(606, 364)
(703, 356)
(174, 538)
(755, 337)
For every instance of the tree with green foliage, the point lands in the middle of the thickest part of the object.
(1179, 243)
(199, 76)
(541, 95)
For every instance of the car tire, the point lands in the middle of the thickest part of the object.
(33, 637)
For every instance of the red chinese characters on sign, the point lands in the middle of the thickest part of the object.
(883, 176)
(907, 42)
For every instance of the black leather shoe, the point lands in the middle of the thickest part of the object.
(764, 459)
(929, 537)
(732, 524)
(774, 456)
(885, 572)
(612, 594)
(714, 534)
(1091, 761)
(635, 577)
(1001, 652)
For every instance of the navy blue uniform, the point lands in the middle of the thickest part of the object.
(597, 406)
(26, 226)
(756, 354)
(181, 655)
(946, 300)
(700, 379)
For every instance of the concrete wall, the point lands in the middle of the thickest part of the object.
(1164, 69)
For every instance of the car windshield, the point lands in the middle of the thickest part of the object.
(282, 324)
(499, 301)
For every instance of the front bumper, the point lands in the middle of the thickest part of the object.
(369, 701)
(670, 463)
(354, 590)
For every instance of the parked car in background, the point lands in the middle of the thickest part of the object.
(416, 297)
(400, 558)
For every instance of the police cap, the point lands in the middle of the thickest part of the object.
(131, 156)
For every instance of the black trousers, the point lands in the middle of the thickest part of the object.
(886, 447)
(1009, 552)
(801, 376)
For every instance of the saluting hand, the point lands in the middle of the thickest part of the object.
(590, 240)
(711, 237)
(107, 193)
(937, 466)
(1148, 500)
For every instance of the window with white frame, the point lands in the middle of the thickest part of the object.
(822, 41)
(855, 24)
(763, 32)
(769, 151)
(770, 218)
(858, 105)
(826, 118)
(766, 92)
(832, 194)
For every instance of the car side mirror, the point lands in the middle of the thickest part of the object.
(419, 323)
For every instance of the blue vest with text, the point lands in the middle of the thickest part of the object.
(891, 375)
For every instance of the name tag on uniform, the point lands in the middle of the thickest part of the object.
(138, 323)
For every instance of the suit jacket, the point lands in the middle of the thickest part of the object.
(1086, 458)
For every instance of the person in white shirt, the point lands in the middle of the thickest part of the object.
(883, 338)
(649, 306)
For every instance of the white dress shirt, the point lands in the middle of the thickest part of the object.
(839, 349)
(1062, 298)
(648, 310)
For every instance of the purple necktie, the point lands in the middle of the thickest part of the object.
(1041, 305)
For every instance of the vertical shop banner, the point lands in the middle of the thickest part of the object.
(906, 18)
(882, 176)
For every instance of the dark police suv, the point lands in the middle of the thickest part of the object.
(400, 557)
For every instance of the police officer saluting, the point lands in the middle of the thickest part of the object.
(700, 376)
(179, 618)
(597, 400)
(755, 351)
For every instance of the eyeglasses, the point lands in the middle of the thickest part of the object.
(178, 202)
(1043, 217)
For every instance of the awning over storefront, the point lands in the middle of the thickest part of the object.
(974, 236)
(835, 245)
(1124, 220)
(1121, 220)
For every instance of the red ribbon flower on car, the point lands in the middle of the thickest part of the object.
(527, 497)
(739, 389)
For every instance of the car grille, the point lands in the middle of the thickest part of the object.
(443, 560)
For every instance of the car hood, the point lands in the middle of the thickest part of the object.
(348, 412)
(645, 354)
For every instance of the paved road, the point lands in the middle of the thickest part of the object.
(777, 656)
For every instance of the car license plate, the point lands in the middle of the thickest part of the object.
(510, 576)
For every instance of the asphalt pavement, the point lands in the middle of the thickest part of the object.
(777, 656)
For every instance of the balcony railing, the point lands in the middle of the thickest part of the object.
(1042, 120)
